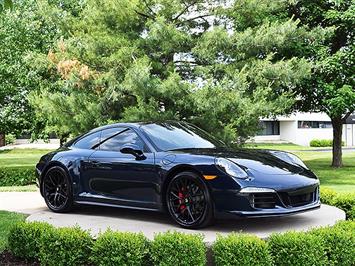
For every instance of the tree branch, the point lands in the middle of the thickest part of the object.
(143, 15)
(185, 9)
(346, 116)
(194, 18)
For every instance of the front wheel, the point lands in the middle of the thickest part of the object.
(188, 201)
(57, 190)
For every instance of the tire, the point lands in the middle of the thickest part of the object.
(188, 201)
(57, 190)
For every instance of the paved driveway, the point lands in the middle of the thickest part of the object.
(98, 219)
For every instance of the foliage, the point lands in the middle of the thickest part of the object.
(65, 246)
(299, 249)
(25, 239)
(339, 244)
(175, 248)
(10, 139)
(120, 248)
(154, 60)
(322, 143)
(344, 201)
(22, 30)
(17, 176)
(7, 221)
(240, 249)
(330, 88)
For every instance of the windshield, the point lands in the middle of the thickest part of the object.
(178, 135)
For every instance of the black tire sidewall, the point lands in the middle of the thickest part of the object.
(69, 204)
(207, 217)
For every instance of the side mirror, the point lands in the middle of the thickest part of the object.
(134, 150)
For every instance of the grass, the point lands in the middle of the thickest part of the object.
(29, 188)
(20, 157)
(7, 220)
(277, 146)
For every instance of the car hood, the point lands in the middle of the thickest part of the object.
(258, 161)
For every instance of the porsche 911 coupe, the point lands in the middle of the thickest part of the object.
(178, 168)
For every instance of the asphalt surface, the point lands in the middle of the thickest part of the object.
(98, 219)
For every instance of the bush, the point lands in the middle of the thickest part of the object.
(65, 246)
(239, 249)
(327, 195)
(17, 176)
(174, 248)
(120, 248)
(344, 201)
(25, 239)
(339, 244)
(10, 139)
(322, 143)
(294, 248)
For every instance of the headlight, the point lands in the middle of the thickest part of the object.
(230, 168)
(289, 158)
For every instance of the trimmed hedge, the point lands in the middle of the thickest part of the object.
(344, 201)
(322, 143)
(297, 249)
(339, 245)
(241, 249)
(175, 248)
(25, 239)
(120, 248)
(65, 246)
(17, 176)
(72, 246)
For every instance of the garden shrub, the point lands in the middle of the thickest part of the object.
(25, 239)
(241, 249)
(344, 201)
(339, 244)
(175, 248)
(65, 247)
(10, 139)
(120, 248)
(297, 249)
(327, 195)
(322, 143)
(17, 176)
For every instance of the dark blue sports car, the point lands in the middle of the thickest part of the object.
(178, 168)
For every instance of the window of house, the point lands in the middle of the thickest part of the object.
(269, 128)
(314, 124)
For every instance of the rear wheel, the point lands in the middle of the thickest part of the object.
(57, 190)
(188, 201)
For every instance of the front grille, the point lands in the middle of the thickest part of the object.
(262, 200)
(296, 200)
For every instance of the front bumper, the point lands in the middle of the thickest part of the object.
(277, 211)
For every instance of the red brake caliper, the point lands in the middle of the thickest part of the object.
(181, 201)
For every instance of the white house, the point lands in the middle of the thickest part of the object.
(301, 128)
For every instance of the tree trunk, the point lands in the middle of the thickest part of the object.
(337, 141)
(2, 139)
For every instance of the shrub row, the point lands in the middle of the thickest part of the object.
(322, 143)
(344, 201)
(73, 246)
(17, 176)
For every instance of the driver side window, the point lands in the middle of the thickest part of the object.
(115, 141)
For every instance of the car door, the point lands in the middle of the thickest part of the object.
(115, 177)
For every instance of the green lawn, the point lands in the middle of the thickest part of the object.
(20, 157)
(7, 220)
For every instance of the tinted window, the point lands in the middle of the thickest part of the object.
(174, 135)
(314, 124)
(88, 141)
(115, 142)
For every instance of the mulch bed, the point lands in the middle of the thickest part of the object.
(7, 259)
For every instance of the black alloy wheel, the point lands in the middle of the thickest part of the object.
(188, 201)
(57, 190)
